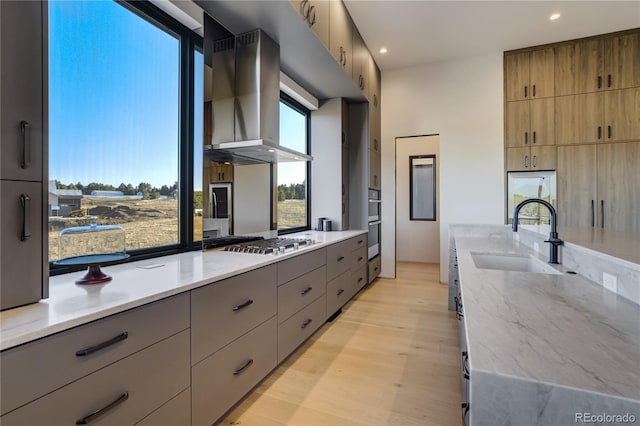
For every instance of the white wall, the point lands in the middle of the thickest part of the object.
(461, 100)
(419, 240)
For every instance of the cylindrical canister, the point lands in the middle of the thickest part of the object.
(326, 225)
(319, 223)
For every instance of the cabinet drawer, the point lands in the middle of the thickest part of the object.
(50, 363)
(298, 293)
(338, 258)
(300, 265)
(358, 242)
(223, 311)
(359, 258)
(176, 412)
(359, 278)
(339, 291)
(220, 380)
(299, 327)
(374, 268)
(149, 378)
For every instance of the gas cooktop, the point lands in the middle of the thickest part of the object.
(273, 246)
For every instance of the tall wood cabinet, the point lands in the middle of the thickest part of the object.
(592, 114)
(598, 186)
(24, 271)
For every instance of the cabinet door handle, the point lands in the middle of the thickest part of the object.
(306, 323)
(25, 129)
(360, 259)
(534, 91)
(526, 138)
(375, 100)
(609, 80)
(526, 161)
(466, 406)
(360, 279)
(593, 214)
(305, 14)
(243, 305)
(341, 258)
(92, 349)
(525, 91)
(534, 136)
(312, 16)
(375, 144)
(599, 132)
(375, 180)
(599, 82)
(96, 414)
(375, 269)
(360, 242)
(534, 161)
(602, 215)
(609, 132)
(25, 203)
(244, 367)
(344, 208)
(340, 292)
(343, 190)
(306, 290)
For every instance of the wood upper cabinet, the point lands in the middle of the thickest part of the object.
(524, 159)
(578, 67)
(529, 75)
(622, 61)
(530, 123)
(577, 182)
(374, 106)
(340, 35)
(622, 115)
(618, 183)
(316, 15)
(579, 118)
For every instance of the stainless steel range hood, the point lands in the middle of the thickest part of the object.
(245, 82)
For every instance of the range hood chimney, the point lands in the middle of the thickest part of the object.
(246, 100)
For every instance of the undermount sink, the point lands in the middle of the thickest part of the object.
(512, 262)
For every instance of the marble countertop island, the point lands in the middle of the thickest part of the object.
(135, 284)
(544, 348)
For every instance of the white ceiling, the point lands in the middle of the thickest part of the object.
(420, 31)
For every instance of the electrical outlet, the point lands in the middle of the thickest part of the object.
(610, 282)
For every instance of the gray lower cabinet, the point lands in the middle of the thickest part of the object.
(374, 268)
(225, 310)
(298, 293)
(53, 362)
(339, 291)
(294, 331)
(338, 258)
(300, 265)
(176, 412)
(222, 379)
(359, 278)
(122, 393)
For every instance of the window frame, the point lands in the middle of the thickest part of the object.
(189, 42)
(297, 106)
(435, 188)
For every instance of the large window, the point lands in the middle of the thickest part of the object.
(293, 177)
(122, 82)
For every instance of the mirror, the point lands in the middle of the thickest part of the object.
(236, 199)
(422, 181)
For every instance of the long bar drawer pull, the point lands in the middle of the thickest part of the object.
(340, 292)
(306, 323)
(306, 290)
(341, 258)
(92, 349)
(361, 241)
(25, 128)
(96, 414)
(243, 305)
(244, 367)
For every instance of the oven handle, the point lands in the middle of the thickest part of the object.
(377, 222)
(375, 201)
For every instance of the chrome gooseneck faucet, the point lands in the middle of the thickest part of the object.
(553, 240)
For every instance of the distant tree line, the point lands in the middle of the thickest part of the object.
(293, 191)
(146, 189)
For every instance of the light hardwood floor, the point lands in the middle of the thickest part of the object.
(390, 358)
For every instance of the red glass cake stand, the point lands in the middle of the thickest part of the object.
(94, 261)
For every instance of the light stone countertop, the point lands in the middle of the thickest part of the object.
(562, 330)
(135, 284)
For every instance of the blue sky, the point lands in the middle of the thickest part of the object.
(114, 100)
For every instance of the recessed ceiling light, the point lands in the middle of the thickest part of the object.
(554, 16)
(383, 50)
